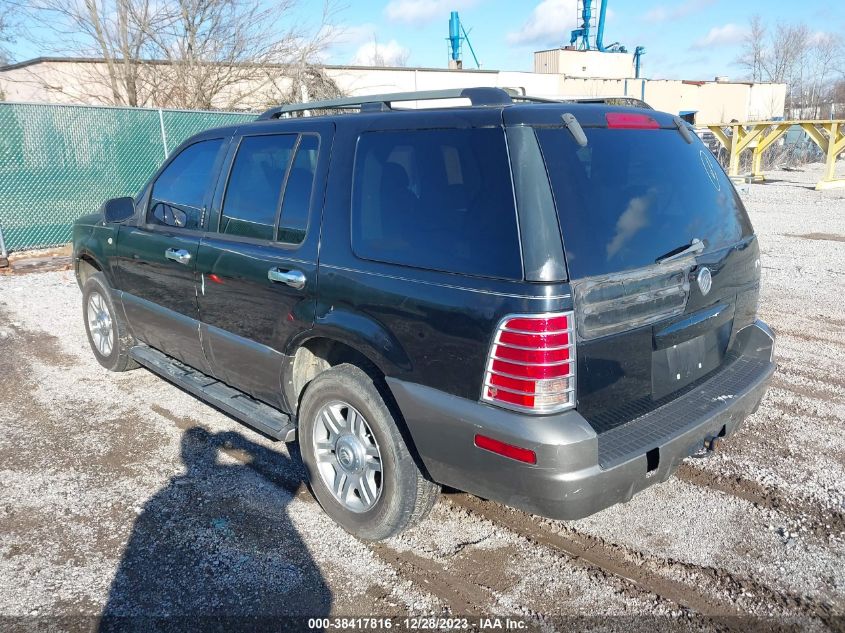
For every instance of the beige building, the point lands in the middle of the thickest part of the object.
(574, 63)
(61, 80)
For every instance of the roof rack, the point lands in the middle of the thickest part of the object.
(476, 96)
(531, 99)
(615, 100)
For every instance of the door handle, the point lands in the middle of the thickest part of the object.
(292, 278)
(178, 255)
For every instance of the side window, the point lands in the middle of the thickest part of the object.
(436, 199)
(255, 185)
(179, 191)
(293, 220)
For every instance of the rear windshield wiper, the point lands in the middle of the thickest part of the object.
(574, 128)
(683, 129)
(695, 247)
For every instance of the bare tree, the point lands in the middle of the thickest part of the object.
(808, 63)
(825, 60)
(118, 32)
(784, 55)
(5, 31)
(301, 79)
(753, 47)
(180, 53)
(837, 100)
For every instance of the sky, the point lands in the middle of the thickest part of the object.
(688, 39)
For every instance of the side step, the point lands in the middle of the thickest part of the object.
(236, 403)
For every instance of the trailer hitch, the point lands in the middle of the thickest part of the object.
(710, 446)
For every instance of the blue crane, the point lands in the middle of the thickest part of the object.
(581, 35)
(458, 34)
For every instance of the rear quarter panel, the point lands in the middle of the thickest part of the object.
(423, 326)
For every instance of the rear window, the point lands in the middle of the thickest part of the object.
(297, 201)
(632, 196)
(255, 185)
(436, 199)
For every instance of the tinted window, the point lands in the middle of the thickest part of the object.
(436, 199)
(297, 198)
(632, 196)
(179, 191)
(255, 185)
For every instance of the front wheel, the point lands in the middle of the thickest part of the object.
(108, 335)
(359, 467)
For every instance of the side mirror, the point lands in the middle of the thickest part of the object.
(118, 209)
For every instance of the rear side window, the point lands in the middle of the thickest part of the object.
(631, 197)
(436, 199)
(255, 185)
(297, 201)
(180, 189)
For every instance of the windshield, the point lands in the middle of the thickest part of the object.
(631, 197)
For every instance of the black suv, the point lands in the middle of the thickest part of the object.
(548, 304)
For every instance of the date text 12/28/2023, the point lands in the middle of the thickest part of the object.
(427, 623)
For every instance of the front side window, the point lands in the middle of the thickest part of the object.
(436, 199)
(179, 191)
(255, 185)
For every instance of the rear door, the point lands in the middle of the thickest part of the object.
(156, 259)
(661, 256)
(257, 265)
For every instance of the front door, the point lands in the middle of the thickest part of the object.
(156, 259)
(258, 270)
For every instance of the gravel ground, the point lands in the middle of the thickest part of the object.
(124, 496)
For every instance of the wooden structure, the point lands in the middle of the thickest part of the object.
(758, 136)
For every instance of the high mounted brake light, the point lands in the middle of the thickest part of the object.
(630, 121)
(531, 364)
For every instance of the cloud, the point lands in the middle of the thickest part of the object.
(634, 218)
(664, 13)
(374, 53)
(549, 24)
(354, 35)
(416, 11)
(726, 34)
(822, 37)
(343, 41)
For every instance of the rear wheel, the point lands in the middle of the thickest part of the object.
(360, 469)
(108, 335)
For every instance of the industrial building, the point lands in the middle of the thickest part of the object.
(585, 68)
(78, 81)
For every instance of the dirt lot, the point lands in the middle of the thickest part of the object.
(123, 495)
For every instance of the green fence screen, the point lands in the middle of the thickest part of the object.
(58, 162)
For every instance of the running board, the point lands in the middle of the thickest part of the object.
(256, 414)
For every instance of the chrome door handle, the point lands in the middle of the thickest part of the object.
(292, 278)
(178, 255)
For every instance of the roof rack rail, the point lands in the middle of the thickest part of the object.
(614, 100)
(476, 96)
(532, 99)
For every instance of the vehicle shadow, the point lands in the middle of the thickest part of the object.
(215, 548)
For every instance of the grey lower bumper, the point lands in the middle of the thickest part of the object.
(579, 472)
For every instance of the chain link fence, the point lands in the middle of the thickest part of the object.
(58, 162)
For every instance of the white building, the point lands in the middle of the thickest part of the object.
(564, 74)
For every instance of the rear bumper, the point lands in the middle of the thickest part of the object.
(579, 472)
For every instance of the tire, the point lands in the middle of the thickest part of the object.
(376, 504)
(107, 332)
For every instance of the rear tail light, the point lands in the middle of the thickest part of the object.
(531, 365)
(630, 121)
